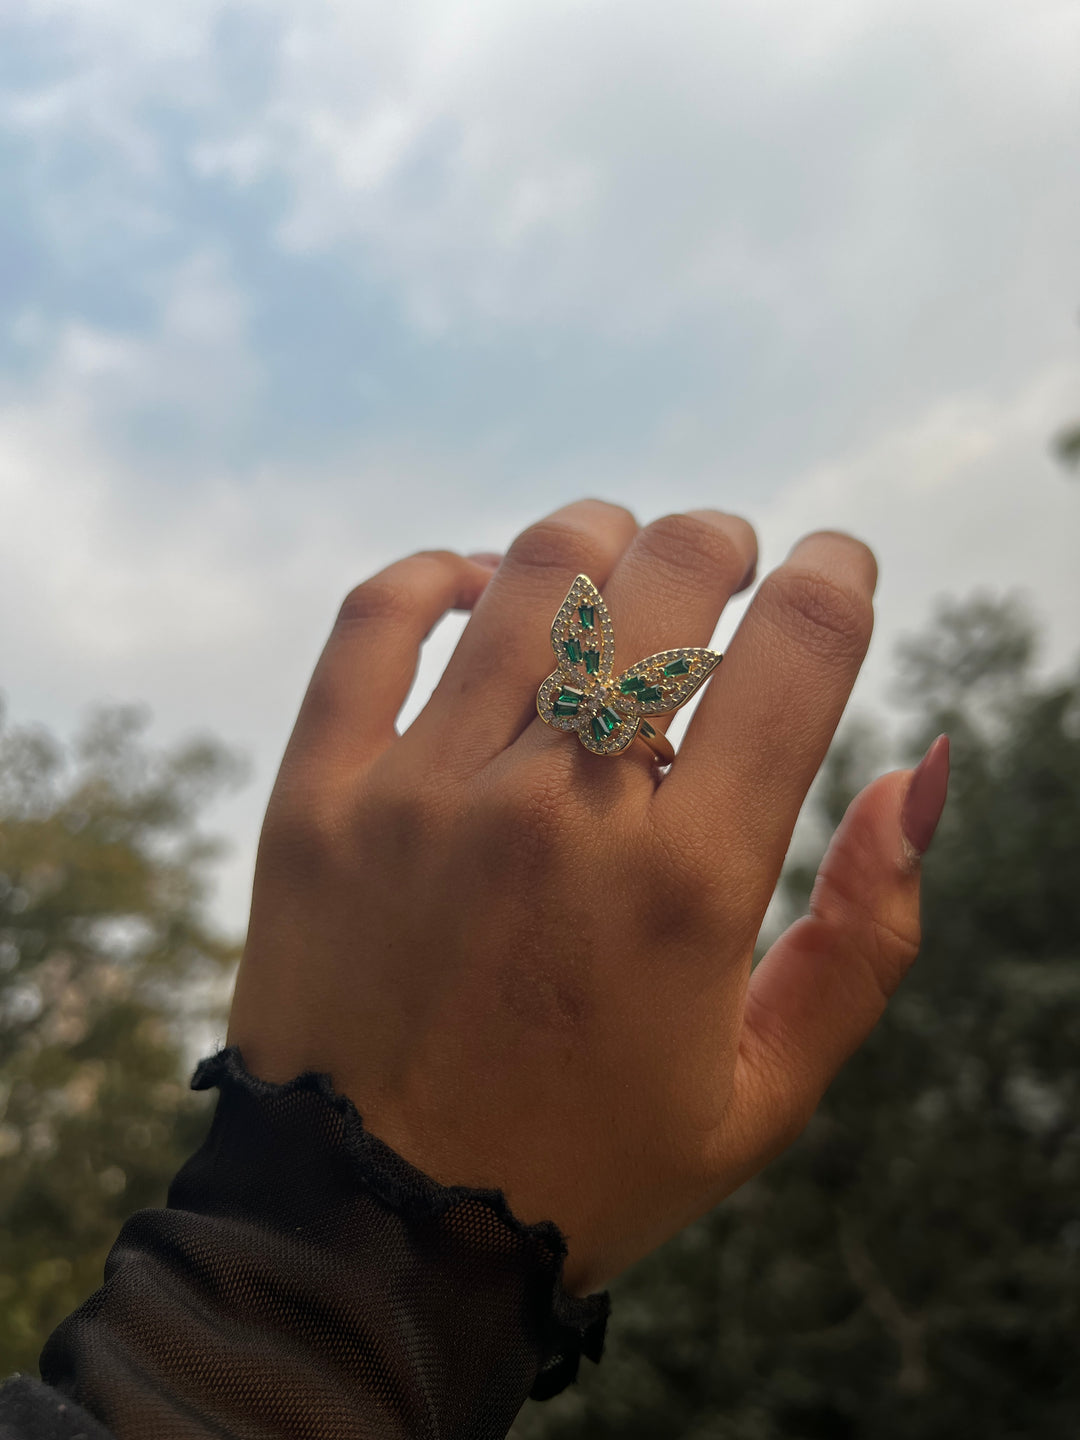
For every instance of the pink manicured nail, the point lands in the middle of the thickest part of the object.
(925, 798)
(486, 557)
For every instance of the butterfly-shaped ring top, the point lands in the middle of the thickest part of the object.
(609, 711)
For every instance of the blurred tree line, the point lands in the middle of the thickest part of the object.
(911, 1268)
(105, 955)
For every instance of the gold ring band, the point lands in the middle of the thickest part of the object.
(657, 741)
(608, 712)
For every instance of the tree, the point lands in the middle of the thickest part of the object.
(105, 952)
(912, 1266)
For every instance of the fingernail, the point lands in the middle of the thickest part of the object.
(925, 798)
(486, 557)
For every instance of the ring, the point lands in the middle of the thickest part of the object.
(609, 712)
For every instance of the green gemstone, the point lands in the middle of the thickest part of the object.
(635, 682)
(609, 718)
(677, 667)
(586, 613)
(592, 661)
(599, 733)
(651, 692)
(647, 730)
(573, 652)
(567, 701)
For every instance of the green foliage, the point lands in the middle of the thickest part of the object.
(104, 951)
(912, 1267)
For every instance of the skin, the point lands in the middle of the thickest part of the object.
(530, 967)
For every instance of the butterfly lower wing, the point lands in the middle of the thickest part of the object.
(581, 633)
(559, 699)
(599, 726)
(662, 682)
(607, 731)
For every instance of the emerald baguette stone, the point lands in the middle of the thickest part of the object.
(586, 613)
(592, 661)
(604, 723)
(633, 684)
(677, 667)
(567, 701)
(573, 652)
(651, 692)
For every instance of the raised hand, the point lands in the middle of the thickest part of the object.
(529, 965)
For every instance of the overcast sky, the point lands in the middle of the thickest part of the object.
(291, 289)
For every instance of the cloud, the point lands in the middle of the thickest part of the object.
(295, 289)
(756, 233)
(964, 496)
(490, 161)
(211, 604)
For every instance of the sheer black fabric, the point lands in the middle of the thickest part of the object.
(305, 1281)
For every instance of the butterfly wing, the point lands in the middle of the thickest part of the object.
(662, 682)
(581, 633)
(583, 641)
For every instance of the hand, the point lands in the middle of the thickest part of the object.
(529, 966)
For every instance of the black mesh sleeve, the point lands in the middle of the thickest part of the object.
(306, 1281)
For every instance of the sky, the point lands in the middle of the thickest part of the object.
(289, 290)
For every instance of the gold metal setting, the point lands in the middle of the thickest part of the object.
(608, 712)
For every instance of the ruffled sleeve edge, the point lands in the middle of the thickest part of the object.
(573, 1326)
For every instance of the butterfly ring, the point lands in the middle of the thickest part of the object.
(608, 711)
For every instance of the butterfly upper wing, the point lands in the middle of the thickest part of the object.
(662, 682)
(583, 640)
(581, 633)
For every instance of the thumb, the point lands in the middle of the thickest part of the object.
(824, 984)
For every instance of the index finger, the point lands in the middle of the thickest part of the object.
(762, 728)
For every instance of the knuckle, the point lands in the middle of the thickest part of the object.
(879, 939)
(858, 552)
(608, 512)
(522, 828)
(830, 619)
(435, 566)
(891, 954)
(690, 542)
(395, 824)
(297, 833)
(554, 545)
(445, 558)
(883, 946)
(682, 903)
(379, 599)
